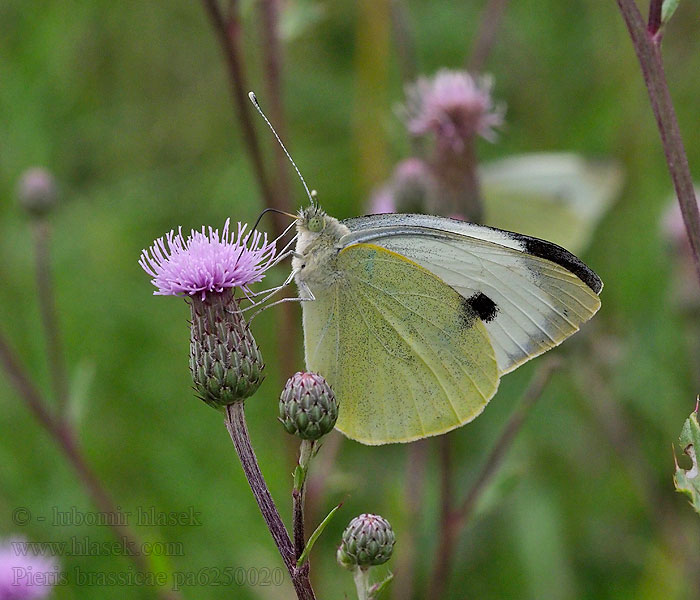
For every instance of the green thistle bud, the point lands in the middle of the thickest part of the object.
(37, 191)
(308, 407)
(225, 361)
(367, 541)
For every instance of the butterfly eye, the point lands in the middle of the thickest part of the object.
(316, 224)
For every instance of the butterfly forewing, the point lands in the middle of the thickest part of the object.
(407, 356)
(528, 303)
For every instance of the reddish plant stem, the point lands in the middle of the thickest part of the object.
(404, 41)
(238, 430)
(500, 449)
(315, 485)
(298, 520)
(416, 462)
(272, 54)
(654, 23)
(489, 25)
(306, 452)
(47, 309)
(646, 40)
(24, 386)
(454, 520)
(228, 32)
(64, 436)
(448, 534)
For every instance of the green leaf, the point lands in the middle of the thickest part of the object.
(379, 589)
(316, 534)
(299, 476)
(688, 481)
(667, 9)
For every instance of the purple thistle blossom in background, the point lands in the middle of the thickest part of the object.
(411, 189)
(23, 574)
(207, 262)
(454, 106)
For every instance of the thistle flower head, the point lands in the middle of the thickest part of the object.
(308, 407)
(207, 262)
(23, 574)
(367, 541)
(454, 106)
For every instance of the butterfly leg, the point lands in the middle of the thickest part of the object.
(306, 296)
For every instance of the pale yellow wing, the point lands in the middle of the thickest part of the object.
(407, 356)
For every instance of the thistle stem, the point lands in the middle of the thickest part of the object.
(361, 577)
(228, 31)
(416, 462)
(47, 308)
(306, 450)
(654, 23)
(646, 40)
(454, 520)
(272, 55)
(490, 23)
(238, 430)
(404, 41)
(315, 486)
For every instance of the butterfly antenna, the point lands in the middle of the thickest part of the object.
(254, 100)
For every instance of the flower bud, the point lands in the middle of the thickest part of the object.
(225, 361)
(308, 407)
(37, 191)
(367, 541)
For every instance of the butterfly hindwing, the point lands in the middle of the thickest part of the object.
(407, 356)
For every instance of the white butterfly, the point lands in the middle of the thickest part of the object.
(413, 319)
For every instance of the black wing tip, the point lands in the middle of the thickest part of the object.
(561, 256)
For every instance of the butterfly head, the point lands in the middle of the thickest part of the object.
(312, 219)
(318, 235)
(313, 223)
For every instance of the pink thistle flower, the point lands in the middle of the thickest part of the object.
(454, 106)
(207, 262)
(410, 189)
(23, 574)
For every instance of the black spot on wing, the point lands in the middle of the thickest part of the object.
(483, 306)
(562, 257)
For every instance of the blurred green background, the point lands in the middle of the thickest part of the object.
(128, 105)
